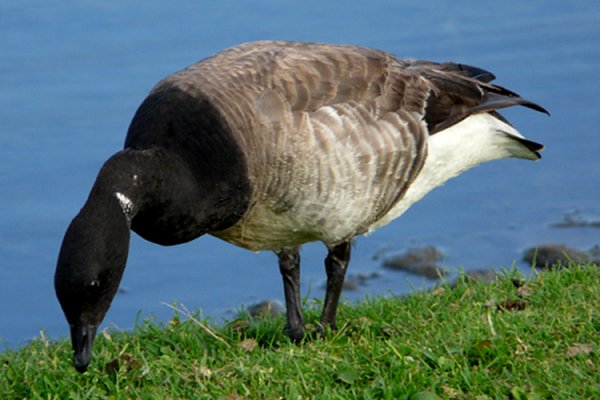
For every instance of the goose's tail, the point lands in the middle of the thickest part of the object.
(459, 91)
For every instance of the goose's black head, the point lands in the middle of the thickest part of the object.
(89, 268)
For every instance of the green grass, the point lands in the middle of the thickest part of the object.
(502, 340)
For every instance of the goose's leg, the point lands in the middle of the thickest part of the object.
(336, 265)
(289, 266)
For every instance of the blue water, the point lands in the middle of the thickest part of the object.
(73, 73)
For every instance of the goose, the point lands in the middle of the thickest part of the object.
(269, 145)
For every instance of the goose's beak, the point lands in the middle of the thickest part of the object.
(82, 338)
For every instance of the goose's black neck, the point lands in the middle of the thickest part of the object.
(193, 172)
(162, 198)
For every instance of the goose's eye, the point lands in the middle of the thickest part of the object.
(94, 285)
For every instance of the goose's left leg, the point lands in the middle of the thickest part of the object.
(289, 266)
(336, 265)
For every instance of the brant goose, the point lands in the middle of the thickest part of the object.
(269, 145)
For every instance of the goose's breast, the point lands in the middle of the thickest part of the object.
(327, 175)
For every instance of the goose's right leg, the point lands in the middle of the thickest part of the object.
(289, 266)
(336, 265)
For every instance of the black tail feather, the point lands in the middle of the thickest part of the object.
(534, 147)
(492, 101)
(460, 90)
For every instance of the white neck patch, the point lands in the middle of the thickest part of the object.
(125, 203)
